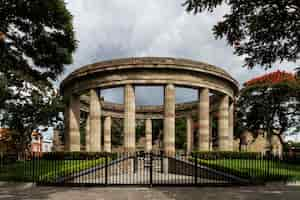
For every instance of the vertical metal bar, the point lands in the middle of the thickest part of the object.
(271, 168)
(87, 177)
(264, 164)
(106, 166)
(37, 166)
(151, 169)
(268, 167)
(94, 171)
(73, 161)
(120, 166)
(75, 167)
(23, 170)
(24, 167)
(77, 160)
(33, 165)
(195, 167)
(56, 167)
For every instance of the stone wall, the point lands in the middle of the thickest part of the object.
(249, 142)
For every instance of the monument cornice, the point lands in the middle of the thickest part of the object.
(147, 64)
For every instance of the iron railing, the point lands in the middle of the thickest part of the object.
(153, 168)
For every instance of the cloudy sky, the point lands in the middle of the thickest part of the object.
(127, 28)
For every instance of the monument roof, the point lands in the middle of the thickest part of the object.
(148, 62)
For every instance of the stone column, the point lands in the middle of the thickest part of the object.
(129, 118)
(203, 120)
(95, 122)
(169, 120)
(67, 130)
(223, 123)
(87, 134)
(231, 127)
(107, 134)
(211, 132)
(148, 133)
(189, 134)
(74, 124)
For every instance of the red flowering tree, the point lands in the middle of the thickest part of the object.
(271, 103)
(272, 78)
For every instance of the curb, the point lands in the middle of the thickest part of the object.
(29, 185)
(293, 183)
(289, 183)
(18, 185)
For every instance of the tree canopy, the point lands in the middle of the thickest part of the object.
(37, 38)
(36, 41)
(262, 31)
(270, 103)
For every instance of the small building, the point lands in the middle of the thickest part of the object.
(47, 146)
(36, 142)
(6, 143)
(39, 144)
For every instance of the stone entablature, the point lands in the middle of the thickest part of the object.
(148, 111)
(145, 62)
(149, 71)
(216, 90)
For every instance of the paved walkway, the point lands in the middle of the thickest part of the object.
(14, 192)
(144, 178)
(123, 173)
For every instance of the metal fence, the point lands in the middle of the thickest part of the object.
(154, 168)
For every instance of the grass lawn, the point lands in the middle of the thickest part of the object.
(257, 169)
(44, 170)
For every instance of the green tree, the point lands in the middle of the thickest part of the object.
(30, 114)
(263, 31)
(269, 107)
(37, 38)
(117, 134)
(36, 41)
(180, 133)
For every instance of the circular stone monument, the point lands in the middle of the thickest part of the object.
(216, 91)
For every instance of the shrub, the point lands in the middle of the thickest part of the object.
(77, 155)
(211, 155)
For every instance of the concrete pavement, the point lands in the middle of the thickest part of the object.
(16, 192)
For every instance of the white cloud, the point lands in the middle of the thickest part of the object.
(118, 28)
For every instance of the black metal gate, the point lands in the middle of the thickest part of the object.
(153, 168)
(138, 168)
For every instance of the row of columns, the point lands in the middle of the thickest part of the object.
(93, 125)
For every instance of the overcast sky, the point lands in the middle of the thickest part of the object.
(107, 29)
